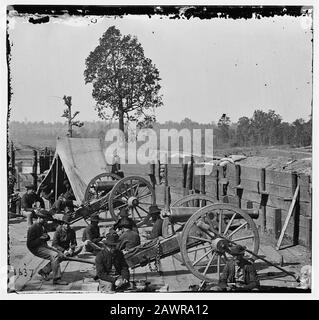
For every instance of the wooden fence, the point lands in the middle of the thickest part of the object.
(268, 191)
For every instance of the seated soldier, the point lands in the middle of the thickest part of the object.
(47, 192)
(65, 200)
(28, 201)
(91, 235)
(64, 238)
(37, 244)
(128, 238)
(111, 267)
(239, 274)
(156, 231)
(125, 215)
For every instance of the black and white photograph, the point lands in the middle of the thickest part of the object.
(157, 149)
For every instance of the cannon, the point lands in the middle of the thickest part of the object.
(200, 237)
(108, 192)
(200, 233)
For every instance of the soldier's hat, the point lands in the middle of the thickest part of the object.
(43, 214)
(111, 239)
(154, 209)
(237, 250)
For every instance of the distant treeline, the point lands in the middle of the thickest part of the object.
(263, 128)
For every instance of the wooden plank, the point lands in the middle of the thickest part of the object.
(231, 170)
(278, 178)
(305, 193)
(292, 206)
(304, 180)
(272, 201)
(251, 173)
(249, 185)
(307, 234)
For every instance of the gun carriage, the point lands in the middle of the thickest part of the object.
(196, 230)
(108, 192)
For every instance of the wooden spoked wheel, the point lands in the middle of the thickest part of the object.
(100, 185)
(134, 193)
(170, 227)
(205, 237)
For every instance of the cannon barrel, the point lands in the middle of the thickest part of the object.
(105, 185)
(182, 214)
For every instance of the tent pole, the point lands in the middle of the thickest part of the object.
(56, 178)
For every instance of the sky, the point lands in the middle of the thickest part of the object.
(207, 67)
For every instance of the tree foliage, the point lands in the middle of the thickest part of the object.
(125, 82)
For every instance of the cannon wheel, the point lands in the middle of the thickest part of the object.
(91, 191)
(198, 247)
(192, 200)
(134, 193)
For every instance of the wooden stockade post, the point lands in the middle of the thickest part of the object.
(152, 175)
(239, 188)
(277, 223)
(184, 183)
(293, 212)
(35, 169)
(190, 176)
(296, 210)
(264, 198)
(217, 183)
(262, 189)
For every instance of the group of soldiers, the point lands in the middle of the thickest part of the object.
(109, 247)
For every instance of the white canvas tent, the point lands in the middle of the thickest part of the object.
(78, 159)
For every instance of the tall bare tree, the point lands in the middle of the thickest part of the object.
(67, 113)
(125, 82)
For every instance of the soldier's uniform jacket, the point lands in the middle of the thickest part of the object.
(33, 237)
(28, 199)
(104, 263)
(118, 224)
(250, 276)
(129, 239)
(91, 232)
(157, 229)
(64, 239)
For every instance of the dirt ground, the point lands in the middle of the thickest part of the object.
(281, 159)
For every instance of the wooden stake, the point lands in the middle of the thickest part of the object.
(291, 209)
